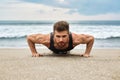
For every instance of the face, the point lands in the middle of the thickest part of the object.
(61, 38)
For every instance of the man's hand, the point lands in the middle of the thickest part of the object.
(36, 55)
(85, 55)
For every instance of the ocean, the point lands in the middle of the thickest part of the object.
(13, 33)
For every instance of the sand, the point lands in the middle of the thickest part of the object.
(17, 64)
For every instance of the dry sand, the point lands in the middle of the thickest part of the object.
(17, 64)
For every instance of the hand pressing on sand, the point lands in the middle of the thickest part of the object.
(85, 55)
(36, 55)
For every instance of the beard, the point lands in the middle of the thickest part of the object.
(61, 44)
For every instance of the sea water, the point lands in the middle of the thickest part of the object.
(13, 33)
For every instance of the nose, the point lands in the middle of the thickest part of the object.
(61, 39)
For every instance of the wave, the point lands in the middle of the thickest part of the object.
(113, 37)
(89, 22)
(106, 38)
(13, 37)
(97, 22)
(25, 22)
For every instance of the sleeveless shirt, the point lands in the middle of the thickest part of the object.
(60, 51)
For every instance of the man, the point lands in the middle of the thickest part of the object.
(61, 40)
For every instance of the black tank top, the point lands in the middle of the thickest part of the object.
(60, 51)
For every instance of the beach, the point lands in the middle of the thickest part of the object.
(17, 64)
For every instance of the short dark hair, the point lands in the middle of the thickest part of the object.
(61, 26)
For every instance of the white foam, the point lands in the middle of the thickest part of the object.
(100, 32)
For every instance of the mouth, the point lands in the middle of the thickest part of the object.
(61, 44)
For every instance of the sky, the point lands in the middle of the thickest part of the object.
(59, 10)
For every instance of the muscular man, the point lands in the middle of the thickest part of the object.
(61, 40)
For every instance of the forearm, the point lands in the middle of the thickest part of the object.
(31, 45)
(89, 46)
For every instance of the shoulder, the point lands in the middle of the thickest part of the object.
(43, 37)
(81, 38)
(39, 38)
(78, 38)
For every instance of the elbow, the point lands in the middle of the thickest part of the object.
(92, 38)
(28, 38)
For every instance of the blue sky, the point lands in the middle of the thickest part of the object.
(59, 10)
